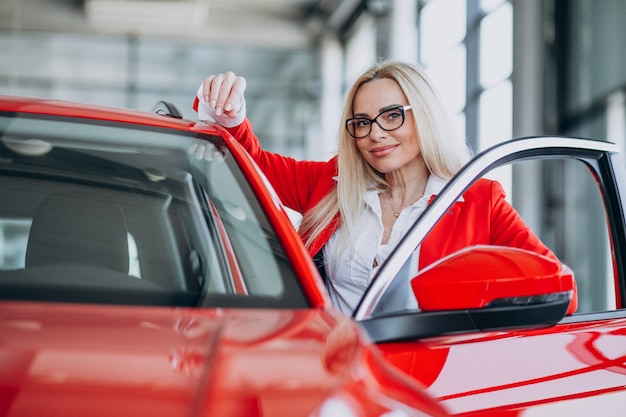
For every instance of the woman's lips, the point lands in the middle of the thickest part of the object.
(383, 150)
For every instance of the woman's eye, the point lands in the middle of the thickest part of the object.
(362, 123)
(394, 114)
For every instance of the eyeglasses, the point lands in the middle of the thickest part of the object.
(390, 119)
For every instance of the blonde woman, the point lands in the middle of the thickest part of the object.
(396, 152)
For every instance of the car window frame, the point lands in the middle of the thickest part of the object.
(602, 157)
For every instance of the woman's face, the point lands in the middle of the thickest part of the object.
(386, 151)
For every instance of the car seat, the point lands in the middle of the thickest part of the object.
(78, 228)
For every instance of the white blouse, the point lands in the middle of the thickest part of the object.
(350, 272)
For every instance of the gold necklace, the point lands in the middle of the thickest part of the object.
(396, 213)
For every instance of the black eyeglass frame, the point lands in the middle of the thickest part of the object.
(403, 110)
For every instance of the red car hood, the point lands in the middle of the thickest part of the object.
(78, 360)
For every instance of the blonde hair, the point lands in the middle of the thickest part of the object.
(443, 151)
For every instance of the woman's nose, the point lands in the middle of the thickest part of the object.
(377, 133)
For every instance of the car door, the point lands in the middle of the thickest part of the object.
(528, 357)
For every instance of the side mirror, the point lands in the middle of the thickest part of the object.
(486, 278)
(482, 288)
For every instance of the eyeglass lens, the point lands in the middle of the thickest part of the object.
(391, 119)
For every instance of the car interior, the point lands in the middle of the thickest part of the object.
(130, 223)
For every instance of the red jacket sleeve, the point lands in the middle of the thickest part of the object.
(299, 184)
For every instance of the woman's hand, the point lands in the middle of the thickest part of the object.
(224, 93)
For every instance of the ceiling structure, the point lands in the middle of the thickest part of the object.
(264, 23)
(272, 42)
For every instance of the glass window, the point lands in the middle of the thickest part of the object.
(360, 52)
(467, 59)
(448, 75)
(489, 5)
(496, 114)
(441, 27)
(109, 213)
(496, 46)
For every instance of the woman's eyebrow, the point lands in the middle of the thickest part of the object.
(391, 106)
(388, 107)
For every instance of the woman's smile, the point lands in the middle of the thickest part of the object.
(382, 151)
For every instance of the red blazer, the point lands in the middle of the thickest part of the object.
(484, 217)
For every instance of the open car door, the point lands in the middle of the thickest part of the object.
(492, 327)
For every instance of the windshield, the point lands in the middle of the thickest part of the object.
(114, 213)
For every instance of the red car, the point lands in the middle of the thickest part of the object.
(137, 279)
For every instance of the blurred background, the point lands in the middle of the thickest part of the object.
(504, 68)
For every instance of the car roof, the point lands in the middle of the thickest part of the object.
(62, 108)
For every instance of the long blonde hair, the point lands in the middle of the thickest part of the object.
(443, 151)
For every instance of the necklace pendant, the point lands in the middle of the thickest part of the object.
(396, 214)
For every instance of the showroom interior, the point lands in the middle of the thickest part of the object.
(504, 68)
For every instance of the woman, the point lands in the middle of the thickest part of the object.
(396, 152)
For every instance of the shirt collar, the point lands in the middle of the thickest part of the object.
(434, 186)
